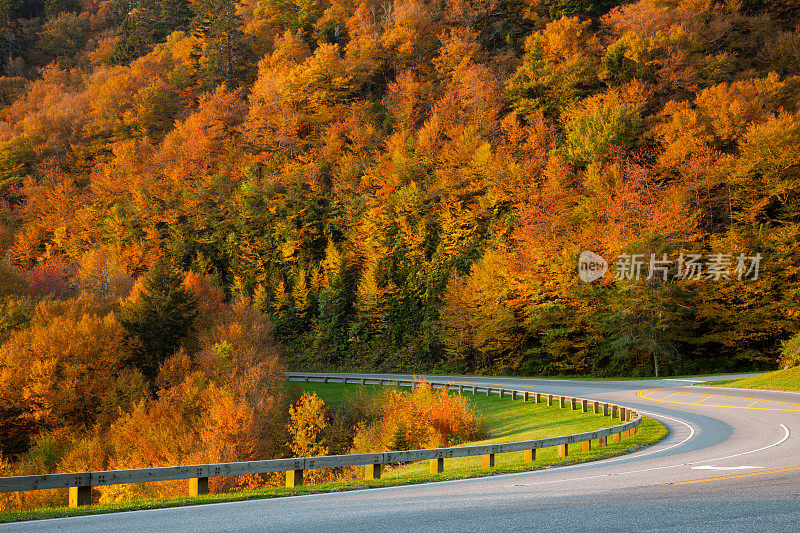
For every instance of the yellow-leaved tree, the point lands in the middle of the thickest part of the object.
(306, 429)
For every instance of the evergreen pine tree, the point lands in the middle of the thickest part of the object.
(160, 317)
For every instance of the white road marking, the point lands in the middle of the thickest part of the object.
(709, 467)
(782, 440)
(785, 437)
(689, 380)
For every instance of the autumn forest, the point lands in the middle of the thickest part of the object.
(198, 194)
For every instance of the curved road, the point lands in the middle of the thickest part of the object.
(730, 463)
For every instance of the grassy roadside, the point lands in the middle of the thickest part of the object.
(788, 380)
(506, 420)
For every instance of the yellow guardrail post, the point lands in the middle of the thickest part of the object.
(294, 478)
(198, 486)
(80, 496)
(372, 471)
(488, 460)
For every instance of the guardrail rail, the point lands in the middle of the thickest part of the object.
(80, 483)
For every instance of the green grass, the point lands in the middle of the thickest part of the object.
(507, 421)
(788, 379)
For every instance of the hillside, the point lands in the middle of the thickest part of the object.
(408, 185)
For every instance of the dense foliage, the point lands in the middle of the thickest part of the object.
(408, 184)
(77, 394)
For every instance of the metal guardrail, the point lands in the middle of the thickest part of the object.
(80, 483)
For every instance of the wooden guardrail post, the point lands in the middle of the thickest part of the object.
(501, 392)
(372, 471)
(561, 401)
(294, 478)
(626, 434)
(488, 460)
(584, 405)
(549, 399)
(622, 415)
(80, 496)
(596, 407)
(602, 442)
(563, 450)
(573, 403)
(513, 395)
(525, 396)
(586, 446)
(461, 389)
(474, 390)
(198, 486)
(325, 379)
(605, 409)
(616, 437)
(538, 397)
(488, 391)
(306, 380)
(614, 409)
(437, 466)
(529, 455)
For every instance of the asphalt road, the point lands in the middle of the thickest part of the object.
(730, 463)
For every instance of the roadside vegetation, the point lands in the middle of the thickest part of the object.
(502, 419)
(787, 378)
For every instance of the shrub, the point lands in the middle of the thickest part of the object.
(790, 354)
(236, 411)
(423, 418)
